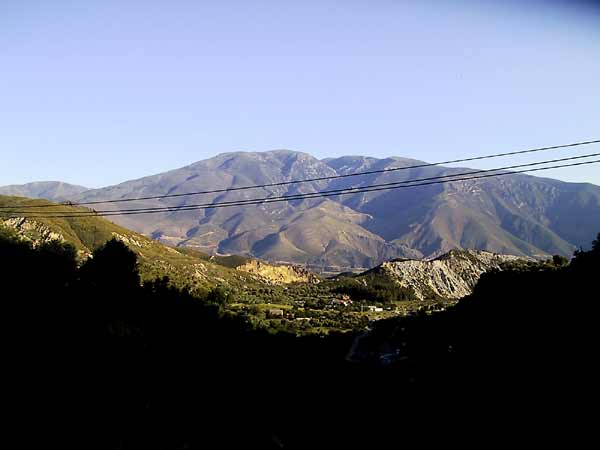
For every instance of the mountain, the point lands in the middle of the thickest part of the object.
(517, 214)
(55, 191)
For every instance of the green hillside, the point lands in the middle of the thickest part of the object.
(184, 268)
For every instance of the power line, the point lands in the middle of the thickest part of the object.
(372, 188)
(331, 177)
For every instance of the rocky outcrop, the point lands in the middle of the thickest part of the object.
(37, 233)
(32, 231)
(131, 241)
(272, 274)
(452, 275)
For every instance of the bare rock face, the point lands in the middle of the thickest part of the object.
(37, 233)
(278, 274)
(32, 231)
(452, 275)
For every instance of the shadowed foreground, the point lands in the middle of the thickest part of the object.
(98, 360)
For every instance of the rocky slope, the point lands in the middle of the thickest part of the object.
(452, 275)
(35, 232)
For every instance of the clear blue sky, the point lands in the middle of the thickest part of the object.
(99, 92)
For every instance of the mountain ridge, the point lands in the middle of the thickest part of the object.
(50, 190)
(514, 214)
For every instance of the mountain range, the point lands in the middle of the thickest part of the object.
(514, 214)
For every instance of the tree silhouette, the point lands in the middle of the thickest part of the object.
(112, 266)
(559, 260)
(587, 261)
